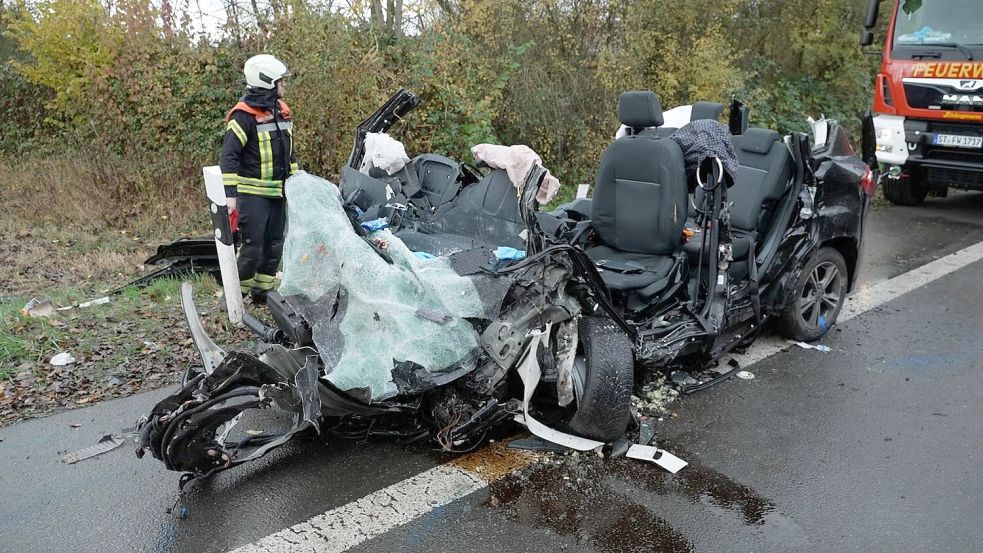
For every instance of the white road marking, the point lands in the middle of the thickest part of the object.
(375, 514)
(345, 527)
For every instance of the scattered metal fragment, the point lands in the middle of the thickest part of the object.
(735, 368)
(620, 447)
(106, 444)
(683, 378)
(38, 308)
(646, 431)
(182, 257)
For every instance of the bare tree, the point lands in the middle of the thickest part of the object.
(390, 19)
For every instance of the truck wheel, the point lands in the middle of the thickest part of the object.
(603, 390)
(905, 191)
(817, 297)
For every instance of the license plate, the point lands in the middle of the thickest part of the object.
(958, 141)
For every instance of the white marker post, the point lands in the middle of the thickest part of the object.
(224, 245)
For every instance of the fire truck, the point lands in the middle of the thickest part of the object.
(928, 97)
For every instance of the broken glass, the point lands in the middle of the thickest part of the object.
(369, 314)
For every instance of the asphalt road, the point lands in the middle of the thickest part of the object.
(875, 446)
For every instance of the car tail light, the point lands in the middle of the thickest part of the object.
(867, 182)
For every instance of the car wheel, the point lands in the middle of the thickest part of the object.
(817, 297)
(905, 191)
(604, 379)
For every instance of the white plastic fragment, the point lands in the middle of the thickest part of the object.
(62, 359)
(582, 190)
(529, 372)
(658, 456)
(99, 301)
(818, 347)
(745, 375)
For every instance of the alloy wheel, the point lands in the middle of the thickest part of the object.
(821, 295)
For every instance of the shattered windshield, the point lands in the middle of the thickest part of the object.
(376, 320)
(939, 22)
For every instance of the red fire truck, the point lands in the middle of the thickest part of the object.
(928, 97)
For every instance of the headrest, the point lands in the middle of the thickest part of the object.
(758, 141)
(639, 109)
(706, 110)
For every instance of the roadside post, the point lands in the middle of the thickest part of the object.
(224, 245)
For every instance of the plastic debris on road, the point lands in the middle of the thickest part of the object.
(745, 375)
(507, 253)
(106, 444)
(62, 359)
(818, 347)
(658, 456)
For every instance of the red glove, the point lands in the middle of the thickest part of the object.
(234, 220)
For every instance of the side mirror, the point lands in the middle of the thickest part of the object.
(738, 118)
(868, 141)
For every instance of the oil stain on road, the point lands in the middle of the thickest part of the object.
(592, 502)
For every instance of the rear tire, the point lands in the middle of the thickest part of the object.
(603, 409)
(818, 295)
(905, 191)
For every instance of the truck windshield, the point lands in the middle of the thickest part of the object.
(940, 22)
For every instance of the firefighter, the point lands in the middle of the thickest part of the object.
(257, 157)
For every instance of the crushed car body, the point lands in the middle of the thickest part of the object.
(433, 300)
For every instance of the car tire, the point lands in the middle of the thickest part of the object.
(604, 399)
(806, 308)
(905, 191)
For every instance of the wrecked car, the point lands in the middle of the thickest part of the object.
(434, 300)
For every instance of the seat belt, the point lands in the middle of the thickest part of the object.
(752, 273)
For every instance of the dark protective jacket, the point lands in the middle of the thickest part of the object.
(258, 152)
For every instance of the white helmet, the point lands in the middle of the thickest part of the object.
(263, 71)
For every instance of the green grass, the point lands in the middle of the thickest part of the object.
(33, 340)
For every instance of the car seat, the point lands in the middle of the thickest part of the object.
(639, 205)
(699, 110)
(765, 168)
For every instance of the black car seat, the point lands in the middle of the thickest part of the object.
(764, 172)
(485, 214)
(706, 110)
(639, 205)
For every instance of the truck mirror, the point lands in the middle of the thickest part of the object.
(866, 38)
(873, 7)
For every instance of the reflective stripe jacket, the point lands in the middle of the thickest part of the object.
(258, 152)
